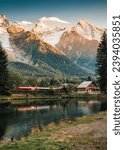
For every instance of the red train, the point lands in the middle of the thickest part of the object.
(29, 88)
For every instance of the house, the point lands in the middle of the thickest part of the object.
(88, 87)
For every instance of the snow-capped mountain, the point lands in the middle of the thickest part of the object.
(49, 35)
(50, 41)
(31, 49)
(80, 43)
(51, 29)
(88, 30)
(53, 22)
(24, 24)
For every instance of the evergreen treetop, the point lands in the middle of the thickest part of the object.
(4, 74)
(101, 64)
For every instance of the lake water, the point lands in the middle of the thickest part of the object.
(18, 122)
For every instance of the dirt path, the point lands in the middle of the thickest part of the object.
(91, 136)
(99, 127)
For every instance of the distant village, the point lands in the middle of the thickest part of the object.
(89, 87)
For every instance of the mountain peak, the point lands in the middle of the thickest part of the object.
(50, 29)
(88, 30)
(84, 22)
(53, 19)
(3, 21)
(53, 22)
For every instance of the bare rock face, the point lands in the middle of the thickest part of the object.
(29, 48)
(81, 39)
(21, 38)
(75, 45)
(4, 21)
(80, 43)
(52, 43)
(14, 29)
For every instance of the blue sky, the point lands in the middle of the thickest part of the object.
(70, 10)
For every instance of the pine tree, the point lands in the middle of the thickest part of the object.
(101, 64)
(4, 75)
(89, 78)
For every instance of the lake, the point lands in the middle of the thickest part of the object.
(17, 122)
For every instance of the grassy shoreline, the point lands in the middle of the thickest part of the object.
(87, 132)
(23, 100)
(29, 96)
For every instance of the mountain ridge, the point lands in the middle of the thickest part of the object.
(80, 43)
(53, 41)
(34, 50)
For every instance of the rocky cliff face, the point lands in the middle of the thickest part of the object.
(80, 43)
(31, 49)
(51, 44)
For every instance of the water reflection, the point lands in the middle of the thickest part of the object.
(3, 125)
(19, 123)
